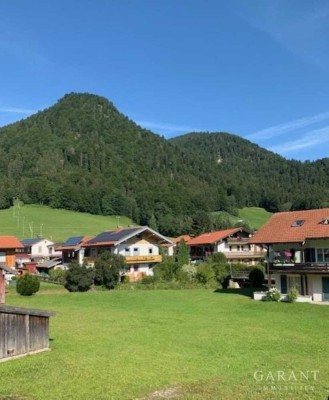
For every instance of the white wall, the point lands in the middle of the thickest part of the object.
(41, 248)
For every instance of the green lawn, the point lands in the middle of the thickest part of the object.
(254, 216)
(32, 220)
(196, 344)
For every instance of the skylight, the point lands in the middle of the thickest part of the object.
(298, 222)
(325, 221)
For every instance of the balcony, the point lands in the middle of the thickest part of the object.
(297, 268)
(237, 241)
(143, 259)
(245, 254)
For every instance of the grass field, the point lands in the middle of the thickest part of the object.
(254, 216)
(188, 344)
(32, 220)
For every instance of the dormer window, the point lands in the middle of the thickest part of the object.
(297, 223)
(325, 221)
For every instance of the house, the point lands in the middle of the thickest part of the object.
(72, 249)
(39, 249)
(234, 243)
(138, 245)
(298, 251)
(170, 249)
(8, 247)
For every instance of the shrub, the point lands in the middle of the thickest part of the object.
(57, 275)
(292, 295)
(222, 274)
(166, 270)
(78, 279)
(205, 273)
(107, 269)
(273, 295)
(256, 277)
(27, 285)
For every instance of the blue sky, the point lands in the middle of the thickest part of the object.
(256, 68)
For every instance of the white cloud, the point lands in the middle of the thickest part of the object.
(14, 110)
(310, 139)
(166, 127)
(281, 129)
(300, 29)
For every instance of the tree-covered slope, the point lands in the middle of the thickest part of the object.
(82, 154)
(253, 176)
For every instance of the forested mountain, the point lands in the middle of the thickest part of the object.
(83, 154)
(253, 176)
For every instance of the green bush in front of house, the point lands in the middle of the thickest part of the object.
(78, 278)
(272, 295)
(292, 295)
(27, 285)
(256, 277)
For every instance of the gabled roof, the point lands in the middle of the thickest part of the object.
(73, 243)
(186, 239)
(293, 226)
(31, 242)
(10, 242)
(115, 237)
(213, 237)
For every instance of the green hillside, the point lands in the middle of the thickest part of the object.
(33, 220)
(254, 216)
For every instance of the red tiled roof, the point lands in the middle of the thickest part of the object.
(279, 230)
(212, 237)
(186, 239)
(10, 242)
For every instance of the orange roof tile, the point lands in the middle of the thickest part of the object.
(279, 228)
(212, 237)
(186, 238)
(10, 242)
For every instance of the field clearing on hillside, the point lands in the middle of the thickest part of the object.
(254, 216)
(177, 344)
(29, 221)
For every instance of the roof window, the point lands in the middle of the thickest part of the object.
(325, 221)
(297, 223)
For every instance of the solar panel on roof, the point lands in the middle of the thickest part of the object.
(29, 242)
(72, 241)
(113, 236)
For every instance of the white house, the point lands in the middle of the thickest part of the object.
(39, 248)
(234, 243)
(138, 245)
(298, 251)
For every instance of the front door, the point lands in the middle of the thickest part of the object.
(325, 288)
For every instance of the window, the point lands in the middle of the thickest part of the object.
(127, 251)
(298, 222)
(136, 251)
(294, 282)
(322, 255)
(150, 251)
(325, 221)
(39, 249)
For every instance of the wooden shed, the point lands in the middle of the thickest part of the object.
(23, 331)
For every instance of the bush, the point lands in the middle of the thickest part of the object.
(273, 295)
(78, 279)
(107, 269)
(205, 274)
(256, 277)
(57, 275)
(222, 274)
(27, 285)
(292, 295)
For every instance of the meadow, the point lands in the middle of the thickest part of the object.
(172, 344)
(29, 221)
